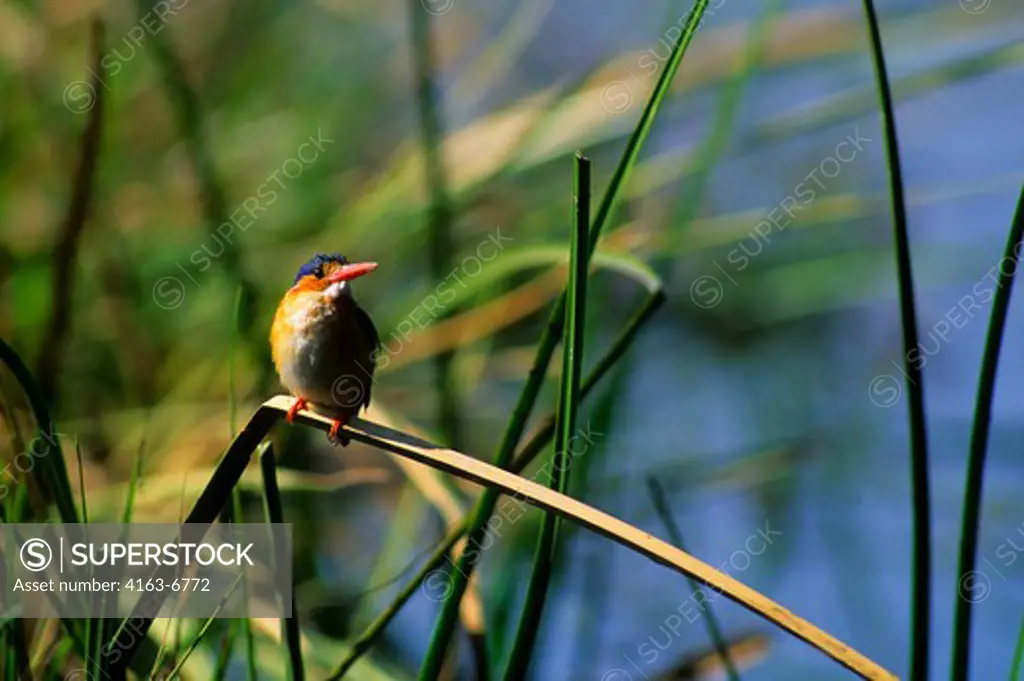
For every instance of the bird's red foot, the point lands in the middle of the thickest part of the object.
(299, 405)
(336, 436)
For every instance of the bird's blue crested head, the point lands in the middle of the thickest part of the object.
(317, 265)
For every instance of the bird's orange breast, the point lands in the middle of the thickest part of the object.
(300, 317)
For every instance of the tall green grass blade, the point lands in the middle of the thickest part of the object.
(81, 480)
(96, 658)
(53, 473)
(227, 647)
(126, 518)
(565, 428)
(17, 436)
(244, 623)
(922, 571)
(595, 572)
(179, 623)
(441, 212)
(133, 483)
(1018, 655)
(236, 492)
(274, 509)
(93, 626)
(154, 671)
(10, 659)
(220, 671)
(189, 118)
(714, 145)
(190, 123)
(12, 634)
(236, 328)
(16, 505)
(65, 252)
(176, 671)
(445, 624)
(979, 445)
(529, 452)
(661, 507)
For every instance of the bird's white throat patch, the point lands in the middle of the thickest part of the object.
(337, 290)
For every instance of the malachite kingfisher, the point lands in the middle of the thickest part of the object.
(323, 343)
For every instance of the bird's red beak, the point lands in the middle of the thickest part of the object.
(351, 271)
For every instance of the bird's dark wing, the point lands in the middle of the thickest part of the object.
(369, 332)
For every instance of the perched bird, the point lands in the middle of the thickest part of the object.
(323, 343)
